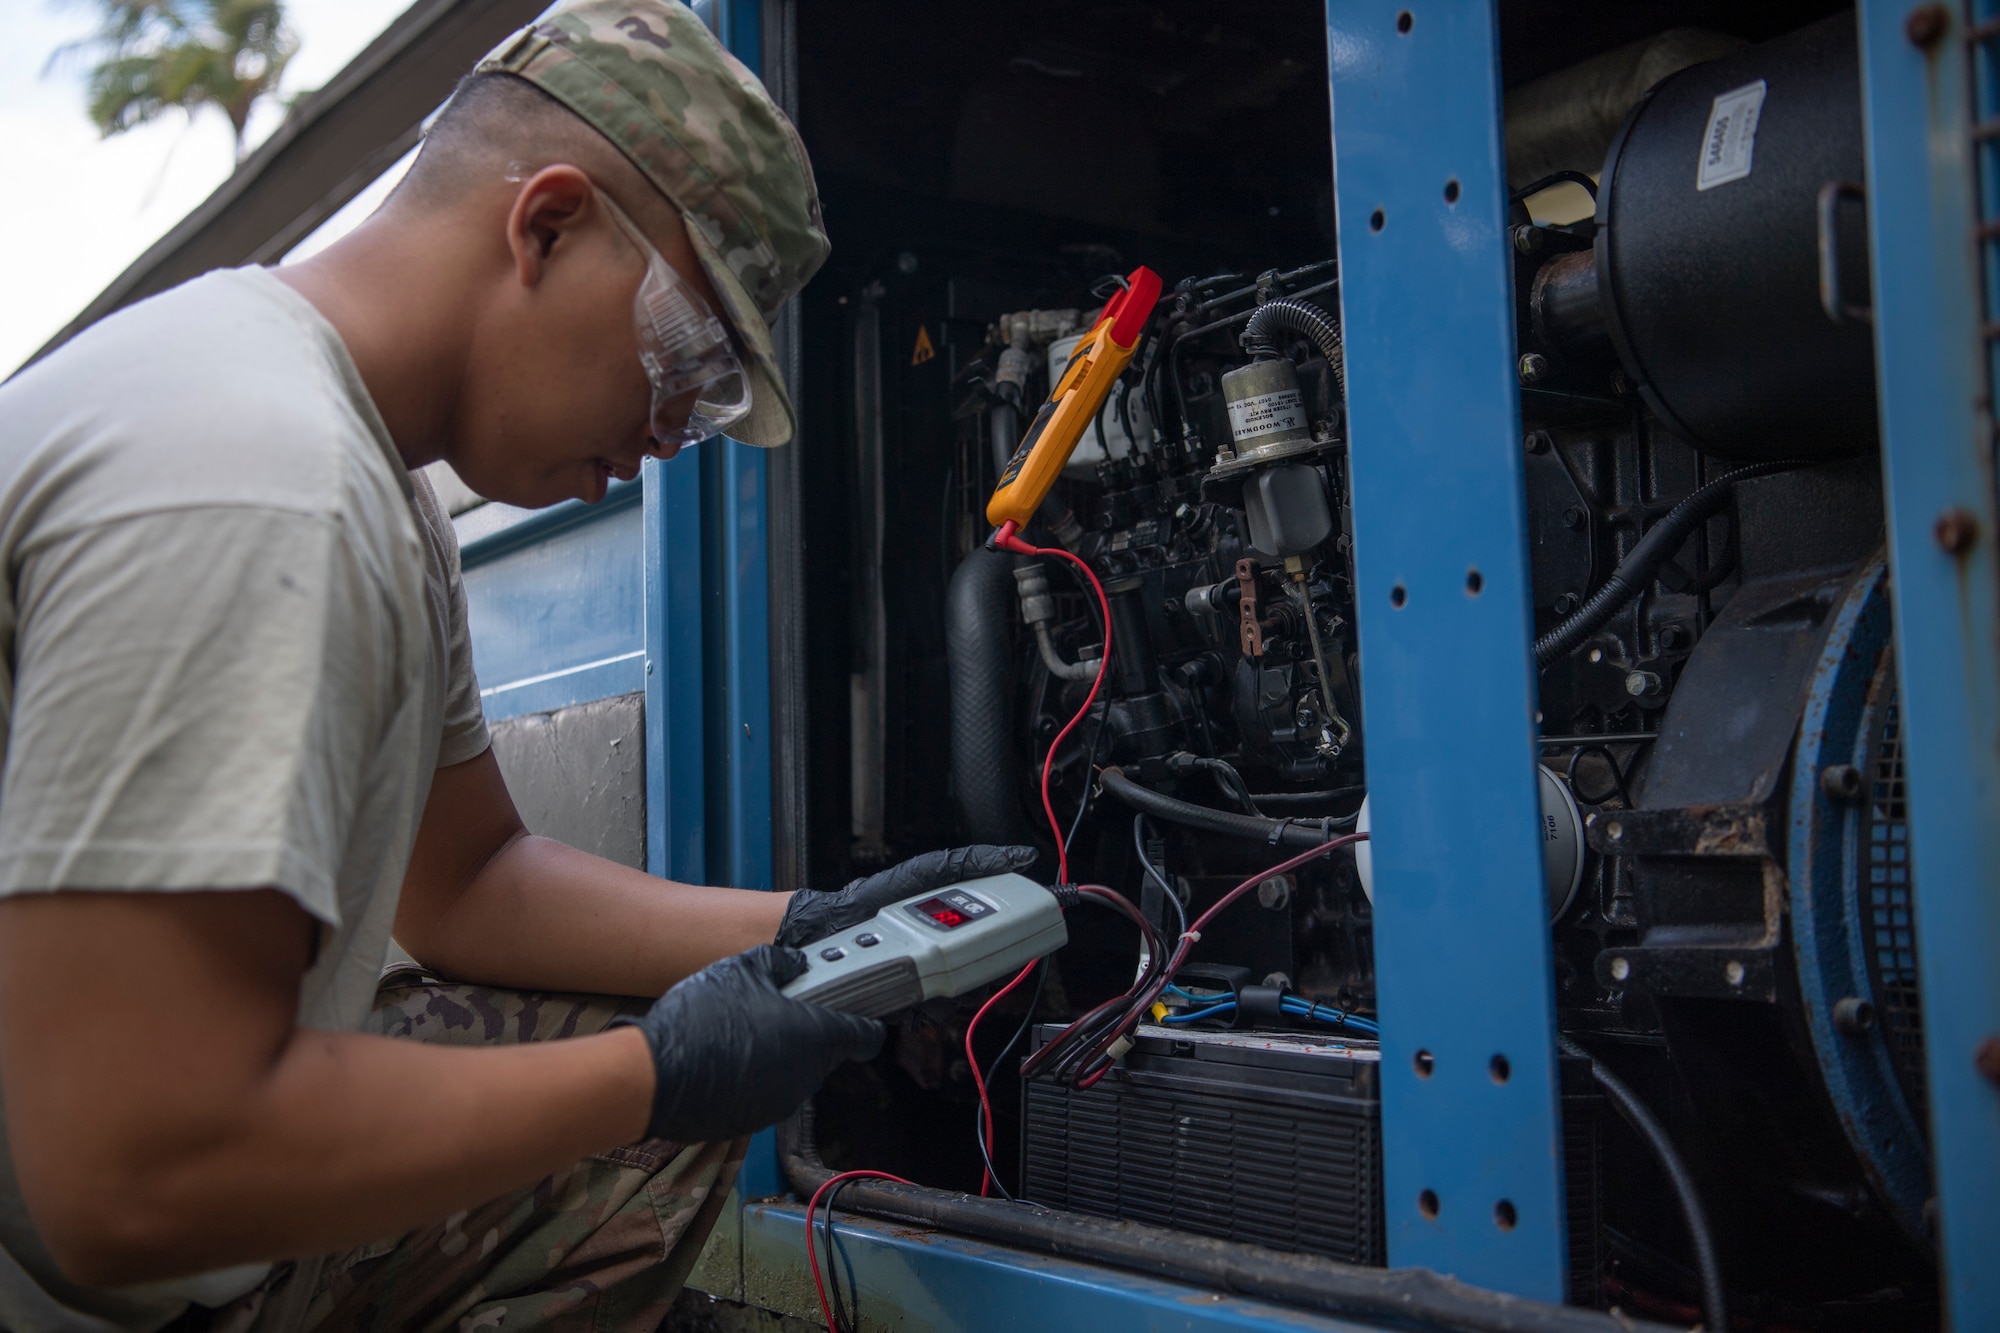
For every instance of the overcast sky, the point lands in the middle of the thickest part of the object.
(81, 208)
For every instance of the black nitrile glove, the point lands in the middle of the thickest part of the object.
(732, 1055)
(813, 916)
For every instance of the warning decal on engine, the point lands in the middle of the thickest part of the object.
(1732, 136)
(1266, 414)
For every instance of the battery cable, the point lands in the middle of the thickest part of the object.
(833, 1184)
(1007, 537)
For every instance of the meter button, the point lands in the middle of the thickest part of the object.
(833, 955)
(867, 941)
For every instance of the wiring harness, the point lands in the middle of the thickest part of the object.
(1084, 1052)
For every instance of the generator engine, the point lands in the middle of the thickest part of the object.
(1729, 890)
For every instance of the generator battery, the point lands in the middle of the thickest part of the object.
(1269, 1137)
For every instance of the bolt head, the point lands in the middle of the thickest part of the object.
(1640, 684)
(1955, 530)
(1732, 972)
(1673, 638)
(1925, 24)
(1840, 782)
(1534, 368)
(906, 263)
(1853, 1015)
(1565, 603)
(1528, 240)
(1621, 969)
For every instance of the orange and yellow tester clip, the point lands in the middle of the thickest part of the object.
(1074, 401)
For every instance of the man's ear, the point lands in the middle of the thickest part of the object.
(549, 208)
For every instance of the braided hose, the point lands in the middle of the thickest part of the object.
(1271, 321)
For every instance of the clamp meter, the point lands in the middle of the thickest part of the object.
(1075, 399)
(942, 943)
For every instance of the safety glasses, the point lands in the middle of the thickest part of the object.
(684, 348)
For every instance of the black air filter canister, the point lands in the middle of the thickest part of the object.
(1718, 198)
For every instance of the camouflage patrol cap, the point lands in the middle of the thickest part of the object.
(649, 76)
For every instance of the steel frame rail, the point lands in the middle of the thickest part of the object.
(1931, 104)
(1471, 1113)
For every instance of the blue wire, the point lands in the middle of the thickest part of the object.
(1300, 1008)
(1196, 1015)
(1291, 1004)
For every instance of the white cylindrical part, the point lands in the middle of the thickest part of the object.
(1562, 844)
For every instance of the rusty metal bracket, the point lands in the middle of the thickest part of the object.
(1717, 830)
(1246, 608)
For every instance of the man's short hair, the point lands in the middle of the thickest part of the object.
(496, 126)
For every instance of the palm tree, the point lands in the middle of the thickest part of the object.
(152, 56)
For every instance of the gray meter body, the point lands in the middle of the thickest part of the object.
(942, 943)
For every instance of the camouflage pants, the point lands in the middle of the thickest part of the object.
(602, 1247)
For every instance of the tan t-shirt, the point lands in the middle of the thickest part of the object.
(233, 649)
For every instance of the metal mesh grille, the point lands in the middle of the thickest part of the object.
(1583, 1196)
(1891, 931)
(1209, 1162)
(1272, 1164)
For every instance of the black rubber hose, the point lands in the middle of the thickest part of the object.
(1231, 782)
(1299, 833)
(1714, 1308)
(984, 766)
(1404, 1298)
(1271, 321)
(1635, 572)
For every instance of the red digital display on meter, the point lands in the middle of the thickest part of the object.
(949, 910)
(941, 912)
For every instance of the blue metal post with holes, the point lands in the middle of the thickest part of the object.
(733, 530)
(676, 755)
(736, 623)
(1471, 1132)
(1931, 80)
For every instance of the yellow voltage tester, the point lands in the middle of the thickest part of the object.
(1074, 401)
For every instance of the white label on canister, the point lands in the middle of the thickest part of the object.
(1731, 137)
(1266, 414)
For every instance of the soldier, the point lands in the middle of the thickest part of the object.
(243, 745)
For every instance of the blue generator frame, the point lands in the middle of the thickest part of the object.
(663, 587)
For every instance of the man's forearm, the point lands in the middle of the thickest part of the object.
(540, 915)
(315, 1158)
